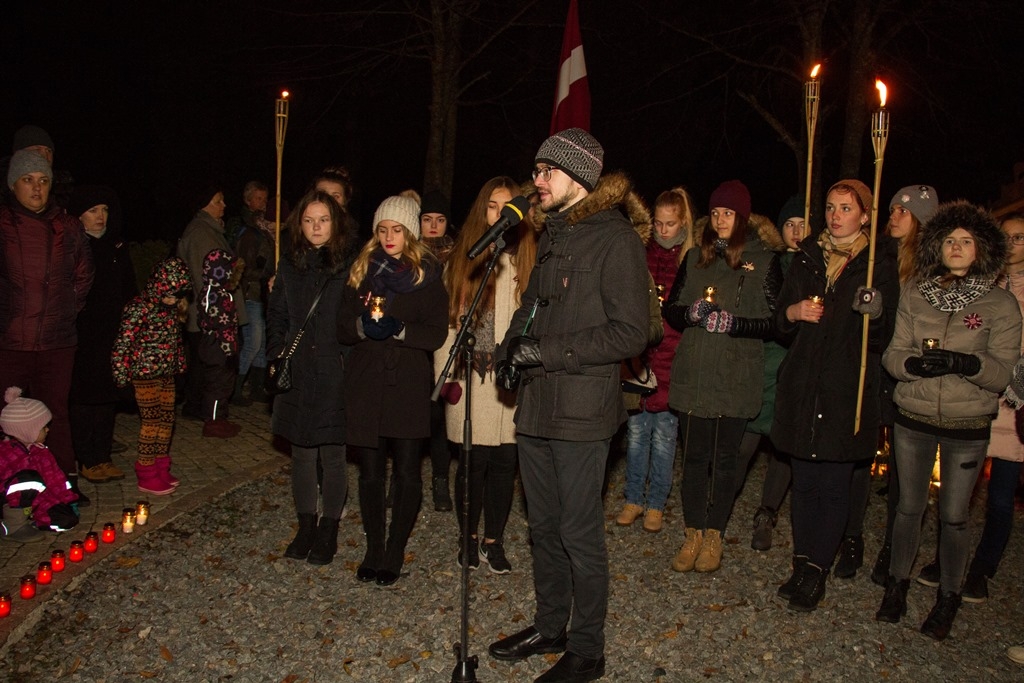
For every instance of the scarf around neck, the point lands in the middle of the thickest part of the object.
(388, 276)
(837, 256)
(957, 295)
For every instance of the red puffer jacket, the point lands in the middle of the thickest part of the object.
(663, 264)
(46, 271)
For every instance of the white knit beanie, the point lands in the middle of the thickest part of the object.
(402, 210)
(23, 418)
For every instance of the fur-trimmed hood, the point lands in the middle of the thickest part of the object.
(613, 190)
(757, 226)
(989, 240)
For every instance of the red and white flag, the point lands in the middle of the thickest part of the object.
(572, 96)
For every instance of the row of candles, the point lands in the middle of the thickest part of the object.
(130, 517)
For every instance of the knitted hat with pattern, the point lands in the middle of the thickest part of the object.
(403, 210)
(23, 418)
(577, 153)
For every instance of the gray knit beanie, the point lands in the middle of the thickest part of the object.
(577, 153)
(920, 200)
(402, 210)
(24, 162)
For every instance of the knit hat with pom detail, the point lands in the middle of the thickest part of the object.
(23, 418)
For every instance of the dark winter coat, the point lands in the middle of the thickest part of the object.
(98, 323)
(387, 392)
(148, 344)
(45, 274)
(816, 398)
(590, 285)
(203, 234)
(256, 248)
(715, 374)
(313, 412)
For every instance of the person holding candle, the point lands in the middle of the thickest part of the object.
(30, 474)
(147, 355)
(387, 392)
(718, 367)
(652, 427)
(92, 403)
(492, 468)
(947, 396)
(311, 416)
(816, 397)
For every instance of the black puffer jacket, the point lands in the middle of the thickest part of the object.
(313, 412)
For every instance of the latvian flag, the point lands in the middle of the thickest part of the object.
(572, 96)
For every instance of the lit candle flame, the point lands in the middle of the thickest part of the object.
(284, 94)
(882, 91)
(815, 70)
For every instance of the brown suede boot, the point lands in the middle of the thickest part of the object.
(710, 557)
(629, 514)
(652, 521)
(687, 555)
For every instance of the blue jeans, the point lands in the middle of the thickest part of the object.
(254, 339)
(650, 452)
(1002, 485)
(959, 468)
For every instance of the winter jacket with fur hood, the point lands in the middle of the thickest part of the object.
(149, 343)
(588, 295)
(968, 315)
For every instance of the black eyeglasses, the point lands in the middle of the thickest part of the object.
(543, 173)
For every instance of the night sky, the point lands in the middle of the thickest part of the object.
(158, 98)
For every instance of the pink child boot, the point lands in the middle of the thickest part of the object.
(150, 480)
(163, 466)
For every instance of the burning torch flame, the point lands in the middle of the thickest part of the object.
(882, 90)
(815, 70)
(284, 94)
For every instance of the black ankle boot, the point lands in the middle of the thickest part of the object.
(300, 546)
(811, 589)
(442, 498)
(851, 557)
(325, 545)
(894, 602)
(787, 589)
(940, 619)
(880, 572)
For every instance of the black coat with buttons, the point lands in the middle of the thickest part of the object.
(816, 398)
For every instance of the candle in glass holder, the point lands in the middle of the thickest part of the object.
(109, 534)
(377, 307)
(709, 294)
(77, 551)
(817, 299)
(5, 604)
(57, 560)
(141, 512)
(128, 520)
(28, 587)
(929, 343)
(44, 574)
(92, 542)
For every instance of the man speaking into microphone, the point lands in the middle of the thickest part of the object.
(591, 283)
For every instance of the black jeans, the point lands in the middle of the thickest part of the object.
(492, 474)
(710, 451)
(92, 430)
(389, 553)
(820, 508)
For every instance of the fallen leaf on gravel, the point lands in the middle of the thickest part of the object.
(351, 565)
(426, 654)
(127, 562)
(670, 634)
(74, 666)
(290, 678)
(388, 632)
(148, 674)
(144, 633)
(166, 654)
(716, 607)
(396, 662)
(345, 665)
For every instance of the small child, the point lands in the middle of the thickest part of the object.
(147, 354)
(30, 476)
(217, 317)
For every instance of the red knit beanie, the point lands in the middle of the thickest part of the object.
(732, 194)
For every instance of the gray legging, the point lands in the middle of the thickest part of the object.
(305, 487)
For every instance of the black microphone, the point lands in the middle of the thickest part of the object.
(511, 214)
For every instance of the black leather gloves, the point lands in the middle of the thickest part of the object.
(939, 362)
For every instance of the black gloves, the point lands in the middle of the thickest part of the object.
(508, 375)
(868, 301)
(524, 352)
(939, 362)
(382, 329)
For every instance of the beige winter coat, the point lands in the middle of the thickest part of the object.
(1004, 443)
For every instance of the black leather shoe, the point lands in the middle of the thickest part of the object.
(386, 578)
(526, 643)
(572, 668)
(365, 574)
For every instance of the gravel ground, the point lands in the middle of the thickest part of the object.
(210, 597)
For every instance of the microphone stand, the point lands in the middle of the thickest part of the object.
(465, 668)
